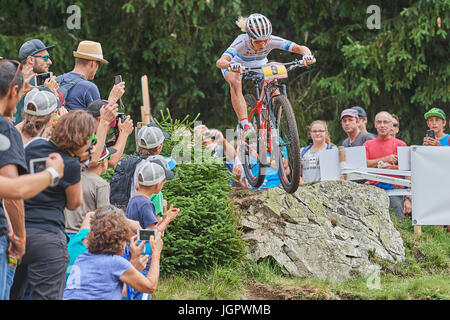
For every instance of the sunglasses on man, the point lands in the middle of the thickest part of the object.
(46, 57)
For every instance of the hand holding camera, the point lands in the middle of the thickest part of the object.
(137, 259)
(125, 125)
(52, 85)
(108, 113)
(430, 139)
(156, 243)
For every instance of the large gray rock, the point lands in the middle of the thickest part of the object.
(329, 230)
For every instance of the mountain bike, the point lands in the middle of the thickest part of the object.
(276, 143)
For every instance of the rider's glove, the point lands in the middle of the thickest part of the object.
(235, 66)
(308, 57)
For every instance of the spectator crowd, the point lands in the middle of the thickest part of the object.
(66, 233)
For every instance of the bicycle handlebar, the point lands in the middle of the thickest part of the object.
(249, 72)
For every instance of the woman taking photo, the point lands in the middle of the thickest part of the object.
(310, 164)
(44, 264)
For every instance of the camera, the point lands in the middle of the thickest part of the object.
(122, 117)
(38, 165)
(430, 133)
(39, 79)
(144, 234)
(117, 79)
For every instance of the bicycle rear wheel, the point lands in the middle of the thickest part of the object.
(287, 144)
(250, 150)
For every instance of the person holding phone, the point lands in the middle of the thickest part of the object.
(35, 59)
(99, 274)
(436, 121)
(44, 264)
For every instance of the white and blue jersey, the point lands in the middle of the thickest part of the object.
(240, 51)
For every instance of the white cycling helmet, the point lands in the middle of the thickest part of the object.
(258, 27)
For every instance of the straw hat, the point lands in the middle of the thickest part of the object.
(90, 50)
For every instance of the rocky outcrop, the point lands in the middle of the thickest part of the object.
(329, 230)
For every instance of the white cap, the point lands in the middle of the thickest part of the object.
(40, 102)
(150, 174)
(150, 137)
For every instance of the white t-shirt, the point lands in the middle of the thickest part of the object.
(241, 51)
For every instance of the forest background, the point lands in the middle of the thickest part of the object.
(401, 66)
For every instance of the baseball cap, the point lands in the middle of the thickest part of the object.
(361, 112)
(167, 163)
(150, 137)
(95, 106)
(349, 112)
(40, 102)
(32, 47)
(152, 173)
(435, 112)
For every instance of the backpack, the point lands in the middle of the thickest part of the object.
(306, 149)
(66, 86)
(120, 183)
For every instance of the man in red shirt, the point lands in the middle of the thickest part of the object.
(381, 152)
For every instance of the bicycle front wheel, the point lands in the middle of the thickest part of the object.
(288, 146)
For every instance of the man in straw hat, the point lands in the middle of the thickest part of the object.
(77, 87)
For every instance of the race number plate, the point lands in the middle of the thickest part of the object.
(274, 71)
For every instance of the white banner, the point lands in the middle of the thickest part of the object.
(430, 175)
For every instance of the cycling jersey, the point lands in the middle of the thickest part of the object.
(241, 51)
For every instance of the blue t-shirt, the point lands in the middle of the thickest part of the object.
(96, 277)
(76, 247)
(141, 209)
(444, 140)
(81, 94)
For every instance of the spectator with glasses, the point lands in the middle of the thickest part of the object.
(35, 58)
(44, 264)
(309, 162)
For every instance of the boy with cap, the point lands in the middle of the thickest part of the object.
(436, 121)
(350, 124)
(151, 179)
(95, 192)
(35, 59)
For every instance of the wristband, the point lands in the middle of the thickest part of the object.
(12, 261)
(154, 255)
(23, 239)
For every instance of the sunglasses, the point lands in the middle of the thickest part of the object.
(46, 57)
(18, 69)
(93, 138)
(395, 125)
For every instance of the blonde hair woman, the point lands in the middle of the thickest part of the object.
(310, 164)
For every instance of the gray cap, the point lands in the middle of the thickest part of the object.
(40, 102)
(150, 137)
(349, 112)
(163, 162)
(152, 173)
(32, 47)
(361, 112)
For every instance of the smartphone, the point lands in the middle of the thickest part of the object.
(144, 234)
(117, 79)
(40, 78)
(430, 133)
(38, 165)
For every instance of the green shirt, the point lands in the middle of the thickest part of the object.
(157, 200)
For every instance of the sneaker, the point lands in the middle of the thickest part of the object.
(249, 132)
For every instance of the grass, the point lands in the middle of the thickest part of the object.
(424, 275)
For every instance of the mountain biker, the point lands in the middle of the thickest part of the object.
(251, 50)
